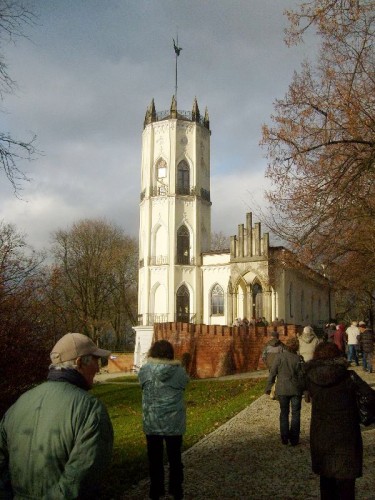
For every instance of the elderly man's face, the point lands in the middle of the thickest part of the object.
(89, 371)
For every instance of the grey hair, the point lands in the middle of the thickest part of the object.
(72, 363)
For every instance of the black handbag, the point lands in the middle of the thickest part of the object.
(365, 400)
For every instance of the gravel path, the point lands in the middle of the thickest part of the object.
(245, 459)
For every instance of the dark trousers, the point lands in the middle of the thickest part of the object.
(291, 431)
(155, 449)
(337, 489)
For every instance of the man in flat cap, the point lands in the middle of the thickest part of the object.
(57, 439)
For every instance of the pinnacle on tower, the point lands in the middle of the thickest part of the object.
(150, 114)
(206, 119)
(195, 115)
(173, 107)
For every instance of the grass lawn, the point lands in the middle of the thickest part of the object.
(209, 404)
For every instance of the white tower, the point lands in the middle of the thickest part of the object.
(175, 219)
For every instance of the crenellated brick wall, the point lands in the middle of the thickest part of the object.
(215, 350)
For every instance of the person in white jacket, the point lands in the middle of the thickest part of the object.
(307, 343)
(352, 334)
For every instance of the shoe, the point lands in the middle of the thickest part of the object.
(294, 443)
(284, 440)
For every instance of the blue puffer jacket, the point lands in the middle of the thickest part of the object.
(163, 383)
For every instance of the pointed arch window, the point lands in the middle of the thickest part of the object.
(302, 305)
(319, 308)
(183, 245)
(161, 169)
(217, 301)
(183, 178)
(257, 296)
(290, 300)
(183, 304)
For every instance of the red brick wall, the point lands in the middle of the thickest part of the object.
(215, 351)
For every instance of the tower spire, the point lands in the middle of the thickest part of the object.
(177, 51)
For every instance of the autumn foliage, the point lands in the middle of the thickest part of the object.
(321, 146)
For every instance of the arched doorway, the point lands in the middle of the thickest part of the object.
(183, 304)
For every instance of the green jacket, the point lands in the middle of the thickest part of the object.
(55, 442)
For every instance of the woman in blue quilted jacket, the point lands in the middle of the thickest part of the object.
(163, 382)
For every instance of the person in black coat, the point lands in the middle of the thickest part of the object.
(286, 367)
(366, 341)
(335, 435)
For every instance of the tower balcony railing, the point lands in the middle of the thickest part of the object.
(186, 190)
(182, 115)
(159, 191)
(180, 190)
(205, 194)
(158, 260)
(185, 260)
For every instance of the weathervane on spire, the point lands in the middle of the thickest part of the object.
(177, 50)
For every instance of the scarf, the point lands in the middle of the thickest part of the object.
(68, 375)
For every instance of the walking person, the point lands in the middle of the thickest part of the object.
(339, 338)
(366, 341)
(352, 334)
(286, 367)
(335, 435)
(307, 343)
(163, 382)
(270, 350)
(56, 440)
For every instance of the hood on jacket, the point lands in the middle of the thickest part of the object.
(307, 335)
(326, 372)
(274, 342)
(162, 369)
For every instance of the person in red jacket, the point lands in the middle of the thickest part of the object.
(339, 338)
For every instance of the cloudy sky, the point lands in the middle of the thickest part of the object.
(86, 75)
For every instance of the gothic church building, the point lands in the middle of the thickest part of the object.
(180, 278)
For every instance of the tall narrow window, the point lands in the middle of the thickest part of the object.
(183, 245)
(161, 169)
(302, 305)
(183, 304)
(257, 296)
(291, 300)
(319, 308)
(183, 178)
(217, 301)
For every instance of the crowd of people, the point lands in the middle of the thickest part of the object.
(57, 439)
(317, 368)
(257, 322)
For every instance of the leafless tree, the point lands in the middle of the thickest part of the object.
(95, 277)
(15, 15)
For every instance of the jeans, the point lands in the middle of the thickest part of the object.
(367, 361)
(352, 353)
(155, 449)
(290, 432)
(337, 489)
